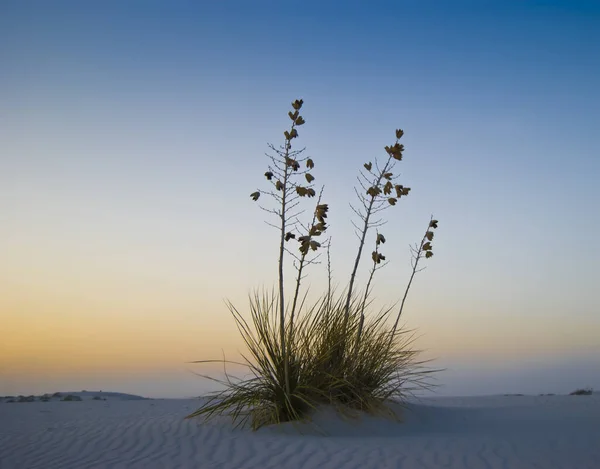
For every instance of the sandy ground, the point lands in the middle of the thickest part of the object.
(511, 432)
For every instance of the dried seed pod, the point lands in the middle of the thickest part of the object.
(387, 189)
(374, 191)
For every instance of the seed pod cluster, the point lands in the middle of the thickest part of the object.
(427, 247)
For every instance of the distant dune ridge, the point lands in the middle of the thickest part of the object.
(73, 396)
(517, 432)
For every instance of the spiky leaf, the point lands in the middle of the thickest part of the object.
(368, 166)
(429, 235)
(387, 189)
(300, 120)
(278, 185)
(399, 133)
(309, 177)
(380, 239)
(428, 254)
(310, 164)
(433, 224)
(255, 195)
(269, 175)
(392, 200)
(427, 246)
(289, 236)
(297, 104)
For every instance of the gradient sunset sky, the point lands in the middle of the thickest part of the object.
(133, 132)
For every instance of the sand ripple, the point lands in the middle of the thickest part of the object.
(489, 433)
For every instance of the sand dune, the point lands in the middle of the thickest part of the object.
(479, 432)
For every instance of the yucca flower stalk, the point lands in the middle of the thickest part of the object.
(377, 258)
(424, 249)
(308, 243)
(378, 186)
(284, 173)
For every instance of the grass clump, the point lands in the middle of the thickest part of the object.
(335, 351)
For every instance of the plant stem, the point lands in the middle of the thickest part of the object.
(328, 275)
(362, 242)
(284, 349)
(300, 267)
(412, 275)
(362, 309)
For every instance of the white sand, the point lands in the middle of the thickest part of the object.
(479, 432)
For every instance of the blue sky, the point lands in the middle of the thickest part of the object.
(131, 134)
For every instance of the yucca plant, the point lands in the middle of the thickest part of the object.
(331, 352)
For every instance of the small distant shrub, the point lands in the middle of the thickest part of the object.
(70, 397)
(331, 352)
(26, 399)
(582, 392)
(57, 394)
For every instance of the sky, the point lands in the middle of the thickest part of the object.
(132, 133)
